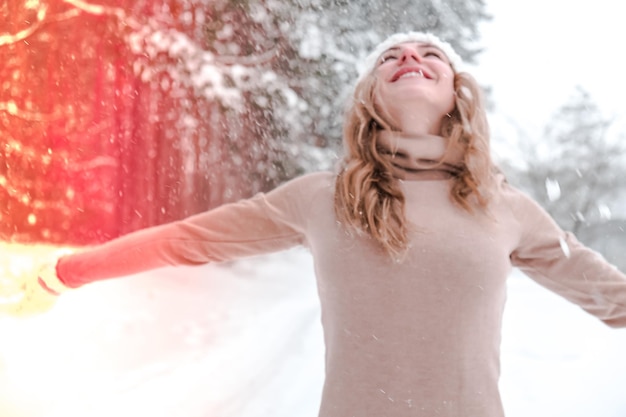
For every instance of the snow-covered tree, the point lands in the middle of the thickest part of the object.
(126, 114)
(315, 46)
(577, 169)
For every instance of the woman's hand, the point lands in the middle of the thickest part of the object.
(33, 291)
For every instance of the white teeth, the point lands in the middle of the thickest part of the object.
(412, 74)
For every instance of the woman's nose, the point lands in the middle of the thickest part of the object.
(410, 53)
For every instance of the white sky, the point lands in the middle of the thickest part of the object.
(537, 52)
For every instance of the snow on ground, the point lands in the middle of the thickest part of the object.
(244, 340)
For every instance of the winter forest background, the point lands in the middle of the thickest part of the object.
(136, 113)
(121, 114)
(124, 115)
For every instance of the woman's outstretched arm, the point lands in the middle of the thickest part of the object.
(262, 224)
(558, 261)
(228, 232)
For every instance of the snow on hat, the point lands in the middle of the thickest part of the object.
(369, 63)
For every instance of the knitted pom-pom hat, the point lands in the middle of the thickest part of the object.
(369, 63)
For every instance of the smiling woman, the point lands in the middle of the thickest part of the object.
(420, 76)
(412, 239)
(388, 116)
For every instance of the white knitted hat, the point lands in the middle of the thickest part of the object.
(369, 63)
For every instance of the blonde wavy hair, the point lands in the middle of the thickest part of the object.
(369, 199)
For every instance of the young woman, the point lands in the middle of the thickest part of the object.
(412, 239)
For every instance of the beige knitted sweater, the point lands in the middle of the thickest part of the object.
(416, 338)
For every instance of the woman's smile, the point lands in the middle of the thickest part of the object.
(412, 71)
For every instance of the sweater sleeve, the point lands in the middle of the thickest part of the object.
(559, 262)
(262, 224)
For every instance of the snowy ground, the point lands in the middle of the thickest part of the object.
(244, 340)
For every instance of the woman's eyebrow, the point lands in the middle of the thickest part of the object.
(429, 46)
(419, 45)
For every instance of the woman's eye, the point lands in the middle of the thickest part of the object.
(435, 54)
(386, 58)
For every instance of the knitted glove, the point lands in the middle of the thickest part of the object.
(35, 293)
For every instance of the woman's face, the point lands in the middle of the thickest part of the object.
(414, 76)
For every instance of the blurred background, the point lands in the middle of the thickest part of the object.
(122, 114)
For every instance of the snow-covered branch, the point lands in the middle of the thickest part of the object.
(214, 77)
(8, 38)
(94, 163)
(80, 6)
(249, 61)
(97, 9)
(12, 108)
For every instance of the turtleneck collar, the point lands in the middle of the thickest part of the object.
(420, 157)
